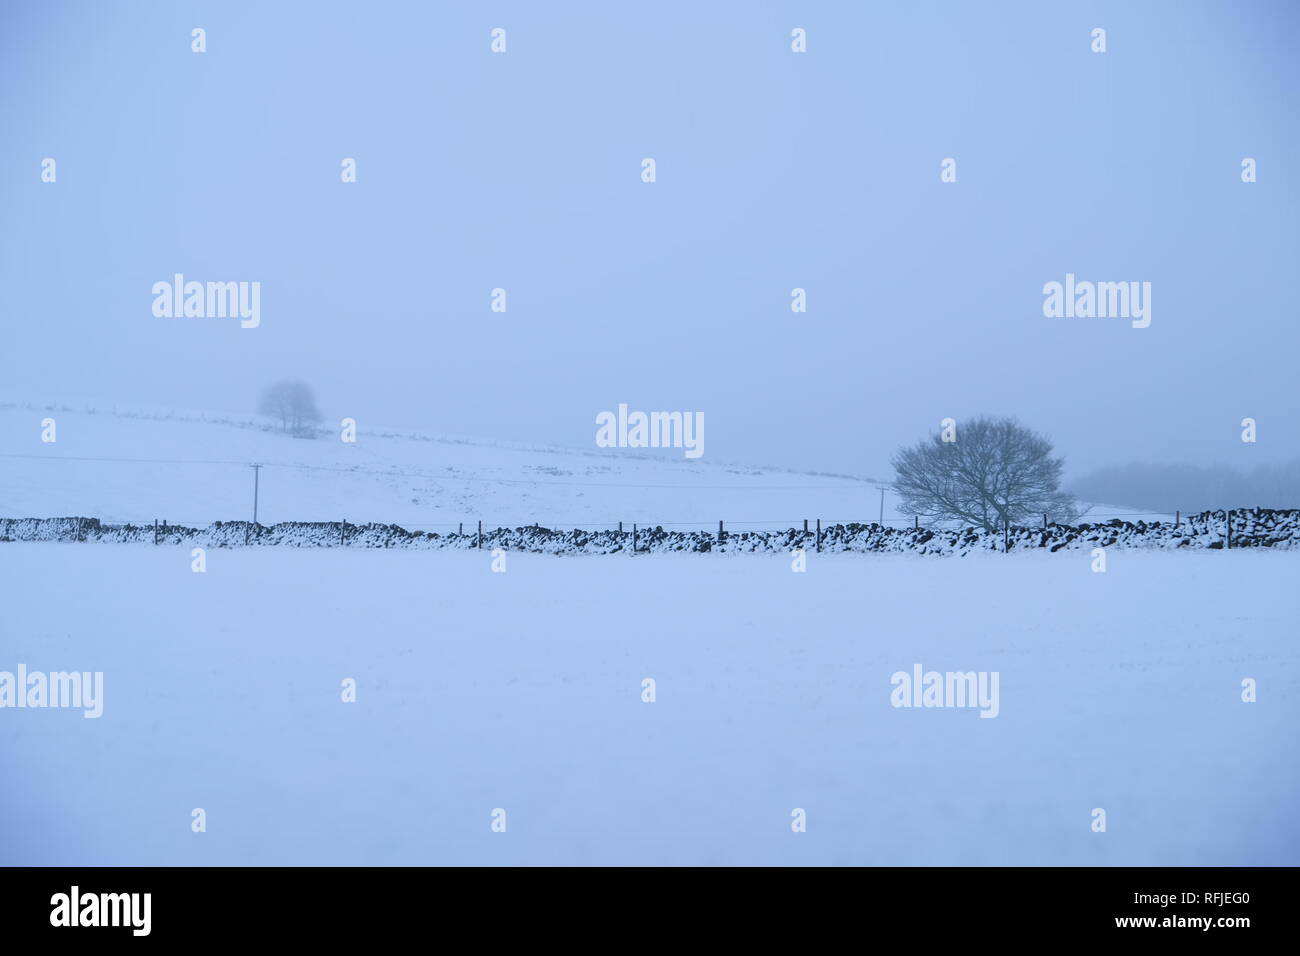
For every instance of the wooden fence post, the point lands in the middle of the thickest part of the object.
(479, 540)
(1006, 536)
(634, 539)
(722, 535)
(819, 534)
(1177, 517)
(155, 530)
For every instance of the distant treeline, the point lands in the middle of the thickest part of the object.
(1189, 488)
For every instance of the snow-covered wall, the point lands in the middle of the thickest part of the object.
(1251, 528)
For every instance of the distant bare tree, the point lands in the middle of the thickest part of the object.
(293, 405)
(995, 471)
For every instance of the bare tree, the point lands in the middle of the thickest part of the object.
(992, 471)
(293, 405)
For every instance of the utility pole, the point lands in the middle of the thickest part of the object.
(256, 473)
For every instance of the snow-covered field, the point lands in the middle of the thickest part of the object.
(522, 691)
(190, 471)
(134, 469)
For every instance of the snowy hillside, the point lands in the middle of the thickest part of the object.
(192, 471)
(195, 472)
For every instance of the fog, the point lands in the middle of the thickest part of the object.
(775, 171)
(1164, 487)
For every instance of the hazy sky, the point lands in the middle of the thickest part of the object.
(775, 170)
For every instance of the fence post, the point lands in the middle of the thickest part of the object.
(805, 525)
(155, 530)
(634, 539)
(460, 528)
(343, 528)
(478, 542)
(819, 534)
(916, 522)
(1044, 521)
(1177, 517)
(1006, 536)
(722, 535)
(620, 527)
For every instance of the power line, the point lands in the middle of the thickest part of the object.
(437, 477)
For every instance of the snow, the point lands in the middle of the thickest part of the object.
(194, 472)
(1253, 528)
(522, 690)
